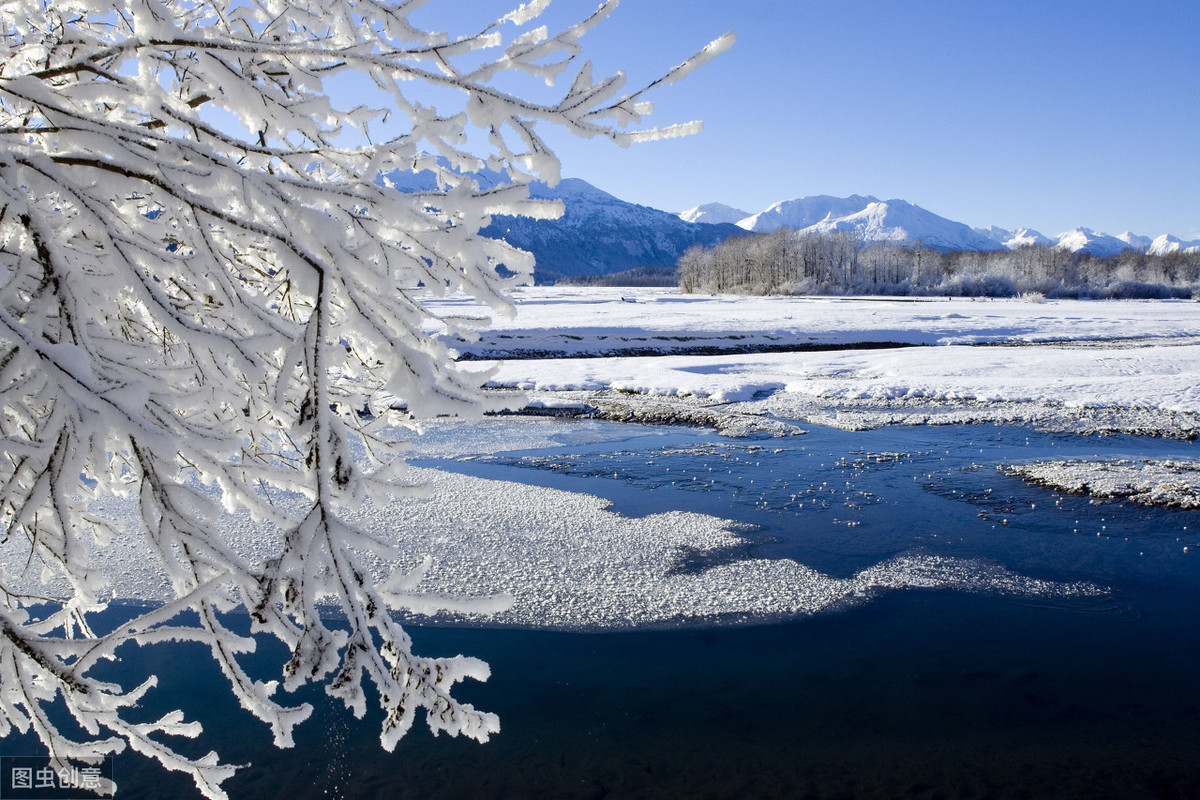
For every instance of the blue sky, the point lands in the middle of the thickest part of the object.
(1048, 114)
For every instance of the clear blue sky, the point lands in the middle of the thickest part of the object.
(1047, 114)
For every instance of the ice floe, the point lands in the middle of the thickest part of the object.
(1174, 484)
(570, 564)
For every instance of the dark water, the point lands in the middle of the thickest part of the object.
(916, 694)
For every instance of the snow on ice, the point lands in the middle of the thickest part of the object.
(1172, 484)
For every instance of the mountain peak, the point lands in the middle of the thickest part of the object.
(804, 212)
(1011, 240)
(599, 234)
(1172, 244)
(575, 188)
(1086, 240)
(872, 220)
(713, 213)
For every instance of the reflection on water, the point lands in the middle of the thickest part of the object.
(917, 694)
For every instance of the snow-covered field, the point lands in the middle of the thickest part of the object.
(587, 320)
(1080, 365)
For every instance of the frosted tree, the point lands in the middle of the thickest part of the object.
(210, 297)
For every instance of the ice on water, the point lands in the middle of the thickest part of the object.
(1151, 482)
(568, 561)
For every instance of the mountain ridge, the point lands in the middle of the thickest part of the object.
(900, 221)
(600, 234)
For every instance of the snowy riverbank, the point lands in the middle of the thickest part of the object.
(1086, 366)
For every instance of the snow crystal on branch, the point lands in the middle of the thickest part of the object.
(211, 296)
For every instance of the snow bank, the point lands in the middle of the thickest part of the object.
(812, 358)
(1163, 378)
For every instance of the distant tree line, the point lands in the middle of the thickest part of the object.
(791, 262)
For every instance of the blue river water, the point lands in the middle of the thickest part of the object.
(919, 693)
(840, 501)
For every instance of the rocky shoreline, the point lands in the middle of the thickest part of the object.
(784, 414)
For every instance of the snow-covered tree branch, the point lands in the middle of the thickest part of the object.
(210, 296)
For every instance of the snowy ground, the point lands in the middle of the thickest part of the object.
(587, 320)
(1075, 365)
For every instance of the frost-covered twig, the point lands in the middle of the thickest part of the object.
(208, 288)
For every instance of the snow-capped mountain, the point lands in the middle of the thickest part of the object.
(904, 223)
(1086, 240)
(1021, 237)
(1135, 241)
(1172, 244)
(714, 214)
(873, 220)
(901, 222)
(804, 212)
(599, 234)
(1077, 240)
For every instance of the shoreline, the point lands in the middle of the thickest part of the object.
(785, 414)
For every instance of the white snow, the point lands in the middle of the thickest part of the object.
(1136, 241)
(713, 213)
(1059, 358)
(1021, 237)
(595, 319)
(902, 222)
(803, 212)
(1066, 353)
(568, 563)
(1172, 244)
(574, 320)
(1174, 484)
(1098, 244)
(1134, 377)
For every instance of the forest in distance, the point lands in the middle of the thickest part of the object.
(837, 263)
